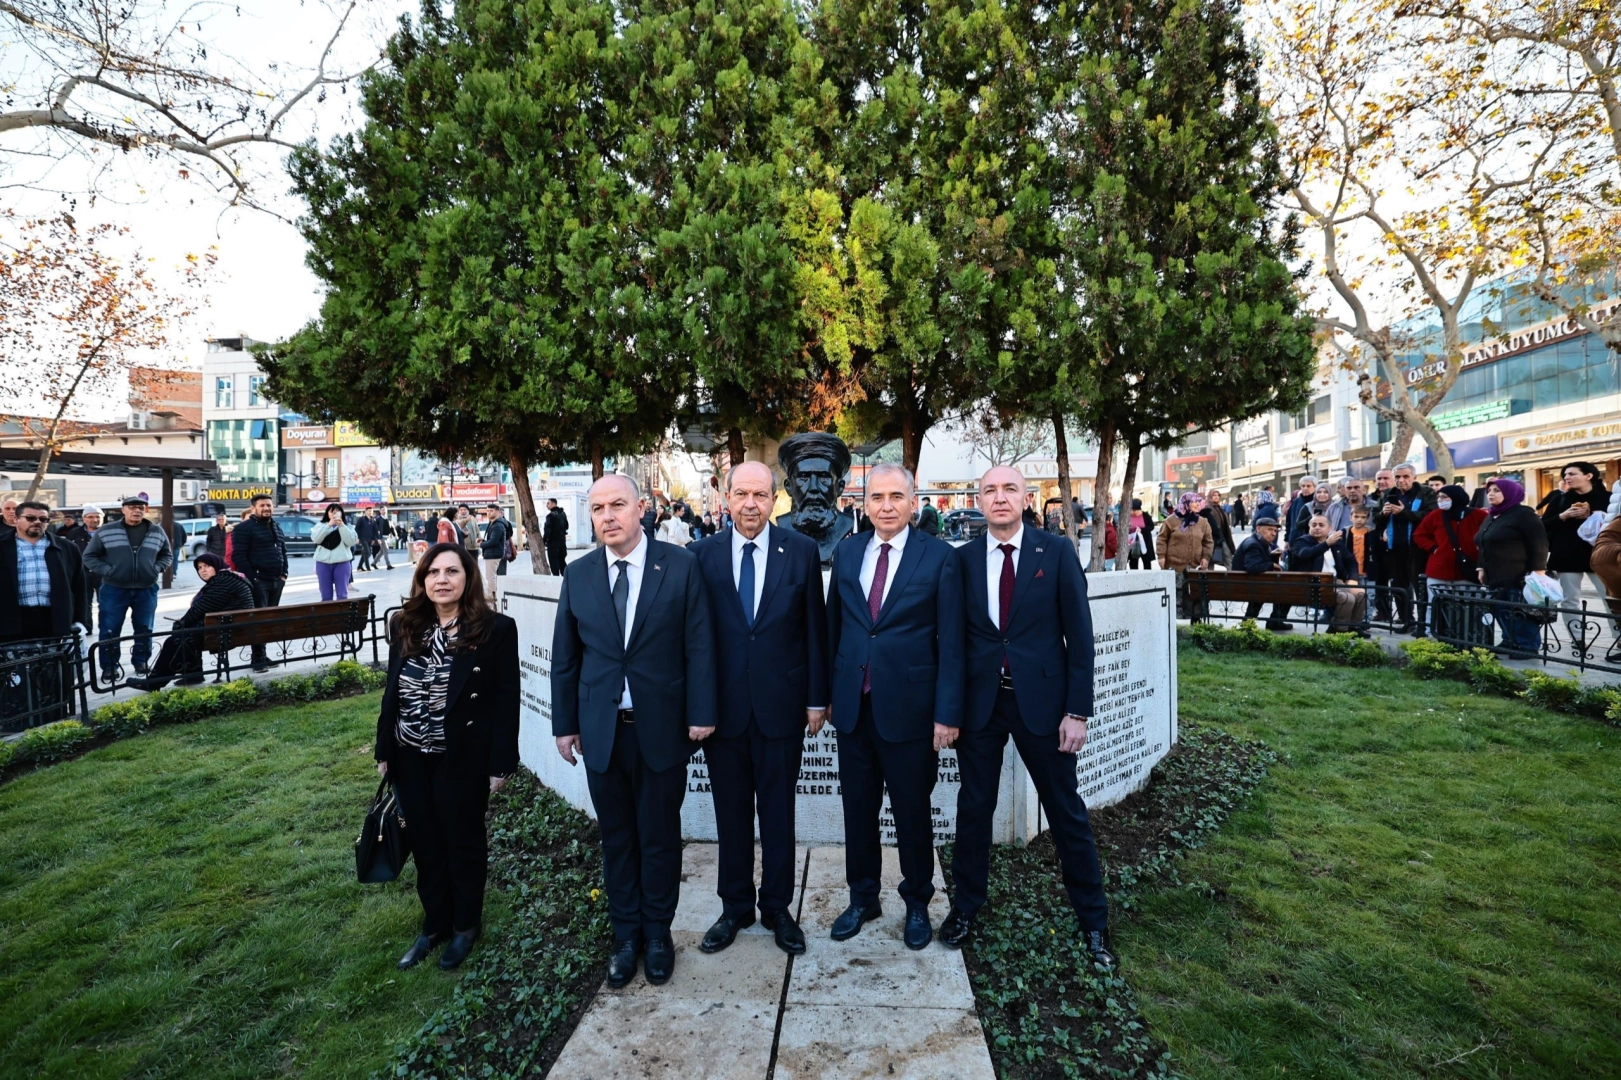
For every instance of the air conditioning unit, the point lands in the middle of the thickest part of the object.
(137, 421)
(185, 490)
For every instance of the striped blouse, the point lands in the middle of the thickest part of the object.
(424, 686)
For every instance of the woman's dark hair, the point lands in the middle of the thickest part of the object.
(326, 515)
(417, 614)
(1586, 467)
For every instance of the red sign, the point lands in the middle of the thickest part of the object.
(471, 492)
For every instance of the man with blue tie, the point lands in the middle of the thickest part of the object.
(895, 615)
(765, 590)
(633, 690)
(1029, 664)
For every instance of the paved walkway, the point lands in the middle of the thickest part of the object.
(867, 1007)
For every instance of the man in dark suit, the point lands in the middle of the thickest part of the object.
(554, 533)
(895, 615)
(765, 589)
(633, 690)
(1029, 661)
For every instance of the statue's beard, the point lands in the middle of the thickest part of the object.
(815, 517)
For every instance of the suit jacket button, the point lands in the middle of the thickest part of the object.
(477, 670)
(474, 694)
(873, 634)
(751, 637)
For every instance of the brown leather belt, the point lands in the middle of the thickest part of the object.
(627, 716)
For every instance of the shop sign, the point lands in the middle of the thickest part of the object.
(1256, 431)
(1530, 442)
(1466, 453)
(305, 436)
(1532, 337)
(419, 492)
(237, 494)
(1190, 470)
(348, 433)
(469, 492)
(1474, 414)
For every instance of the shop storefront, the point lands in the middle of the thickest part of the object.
(1540, 455)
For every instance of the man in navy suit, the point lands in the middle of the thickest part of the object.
(765, 590)
(895, 615)
(633, 690)
(1029, 677)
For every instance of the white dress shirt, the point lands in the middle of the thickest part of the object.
(762, 545)
(637, 562)
(993, 570)
(869, 562)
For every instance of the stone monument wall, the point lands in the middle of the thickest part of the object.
(1134, 722)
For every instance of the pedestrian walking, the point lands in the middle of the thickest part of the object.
(493, 548)
(335, 540)
(365, 533)
(129, 555)
(554, 534)
(1185, 543)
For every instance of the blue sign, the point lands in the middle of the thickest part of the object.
(1466, 452)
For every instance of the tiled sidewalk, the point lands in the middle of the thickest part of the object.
(867, 1007)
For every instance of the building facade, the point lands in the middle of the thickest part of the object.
(243, 426)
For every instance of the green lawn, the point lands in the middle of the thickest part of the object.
(1427, 884)
(183, 904)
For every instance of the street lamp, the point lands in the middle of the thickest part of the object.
(1306, 455)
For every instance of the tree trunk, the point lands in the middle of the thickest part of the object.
(1100, 498)
(596, 458)
(39, 472)
(1066, 509)
(1415, 423)
(1127, 483)
(911, 442)
(735, 449)
(526, 511)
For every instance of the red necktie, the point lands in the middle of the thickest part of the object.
(1005, 596)
(875, 604)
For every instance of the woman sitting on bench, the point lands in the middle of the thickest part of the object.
(182, 654)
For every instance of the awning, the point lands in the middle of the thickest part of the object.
(74, 463)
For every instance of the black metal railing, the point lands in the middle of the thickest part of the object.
(41, 682)
(1584, 634)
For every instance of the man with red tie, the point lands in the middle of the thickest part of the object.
(895, 616)
(1029, 677)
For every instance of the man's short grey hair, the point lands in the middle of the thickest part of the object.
(635, 491)
(884, 468)
(769, 471)
(1405, 468)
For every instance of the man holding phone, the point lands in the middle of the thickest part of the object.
(1398, 514)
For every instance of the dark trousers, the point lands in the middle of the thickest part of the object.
(1253, 611)
(364, 563)
(181, 654)
(1408, 584)
(868, 763)
(751, 772)
(639, 811)
(32, 623)
(267, 593)
(979, 760)
(444, 816)
(556, 556)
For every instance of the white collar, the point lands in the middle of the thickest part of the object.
(759, 542)
(638, 554)
(1017, 540)
(896, 545)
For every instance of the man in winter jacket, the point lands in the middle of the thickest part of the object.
(1297, 515)
(129, 555)
(1258, 554)
(42, 590)
(1404, 506)
(259, 553)
(554, 532)
(492, 547)
(1308, 556)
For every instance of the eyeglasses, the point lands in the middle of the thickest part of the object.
(35, 517)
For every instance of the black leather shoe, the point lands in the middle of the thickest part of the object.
(419, 950)
(622, 964)
(848, 925)
(954, 931)
(190, 680)
(460, 945)
(143, 669)
(660, 960)
(1278, 626)
(724, 932)
(1097, 943)
(918, 931)
(149, 684)
(790, 938)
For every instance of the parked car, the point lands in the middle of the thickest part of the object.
(195, 532)
(296, 527)
(965, 524)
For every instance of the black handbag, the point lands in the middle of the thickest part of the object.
(383, 843)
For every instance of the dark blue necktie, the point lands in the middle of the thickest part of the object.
(745, 583)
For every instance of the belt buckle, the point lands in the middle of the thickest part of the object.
(1006, 681)
(627, 716)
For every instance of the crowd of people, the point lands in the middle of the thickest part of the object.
(1389, 545)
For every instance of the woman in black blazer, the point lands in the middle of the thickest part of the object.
(447, 736)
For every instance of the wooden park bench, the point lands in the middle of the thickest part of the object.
(1286, 588)
(343, 620)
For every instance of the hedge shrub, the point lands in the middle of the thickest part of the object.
(183, 704)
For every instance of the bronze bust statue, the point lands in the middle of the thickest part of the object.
(816, 464)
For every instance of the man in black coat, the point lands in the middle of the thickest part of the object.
(365, 532)
(633, 690)
(554, 533)
(765, 590)
(895, 616)
(259, 551)
(42, 583)
(1396, 516)
(1029, 678)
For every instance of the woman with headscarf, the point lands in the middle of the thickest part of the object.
(1447, 536)
(223, 590)
(1185, 543)
(1513, 545)
(1139, 537)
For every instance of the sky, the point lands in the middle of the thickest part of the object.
(260, 286)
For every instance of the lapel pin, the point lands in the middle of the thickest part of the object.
(779, 551)
(656, 566)
(1038, 551)
(1039, 573)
